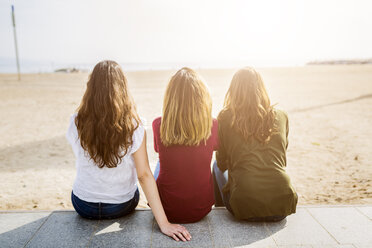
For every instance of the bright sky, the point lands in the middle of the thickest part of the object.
(285, 32)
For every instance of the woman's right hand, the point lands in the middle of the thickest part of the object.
(177, 232)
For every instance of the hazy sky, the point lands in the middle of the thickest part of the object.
(161, 31)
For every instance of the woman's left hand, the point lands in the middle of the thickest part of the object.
(177, 232)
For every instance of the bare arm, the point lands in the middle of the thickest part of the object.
(150, 189)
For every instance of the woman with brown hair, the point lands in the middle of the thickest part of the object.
(185, 138)
(109, 143)
(250, 178)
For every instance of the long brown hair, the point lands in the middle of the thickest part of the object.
(187, 110)
(107, 117)
(249, 104)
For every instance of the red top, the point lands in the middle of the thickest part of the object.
(185, 181)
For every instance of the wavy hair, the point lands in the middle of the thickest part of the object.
(187, 110)
(107, 117)
(249, 105)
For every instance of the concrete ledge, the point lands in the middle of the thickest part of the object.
(312, 226)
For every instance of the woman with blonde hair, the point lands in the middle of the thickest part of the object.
(250, 178)
(185, 138)
(109, 143)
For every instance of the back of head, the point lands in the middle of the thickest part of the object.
(248, 102)
(106, 118)
(187, 110)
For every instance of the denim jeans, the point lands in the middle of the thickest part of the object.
(157, 170)
(220, 179)
(99, 210)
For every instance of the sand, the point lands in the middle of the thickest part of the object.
(329, 107)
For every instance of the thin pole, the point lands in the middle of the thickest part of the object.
(15, 44)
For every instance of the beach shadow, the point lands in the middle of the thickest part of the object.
(228, 231)
(17, 229)
(331, 104)
(55, 229)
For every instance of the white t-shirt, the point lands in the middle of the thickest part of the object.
(107, 185)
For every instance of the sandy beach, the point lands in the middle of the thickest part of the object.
(329, 108)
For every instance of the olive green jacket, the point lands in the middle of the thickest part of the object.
(257, 181)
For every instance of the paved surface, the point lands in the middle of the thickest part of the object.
(323, 226)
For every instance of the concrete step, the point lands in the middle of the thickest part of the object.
(311, 226)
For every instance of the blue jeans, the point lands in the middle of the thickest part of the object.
(219, 181)
(99, 210)
(157, 170)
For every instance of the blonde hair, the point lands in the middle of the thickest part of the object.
(249, 104)
(107, 116)
(187, 107)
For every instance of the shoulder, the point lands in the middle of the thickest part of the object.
(140, 128)
(137, 137)
(214, 123)
(281, 114)
(72, 133)
(156, 123)
(225, 114)
(224, 118)
(73, 117)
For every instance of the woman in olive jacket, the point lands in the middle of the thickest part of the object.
(249, 175)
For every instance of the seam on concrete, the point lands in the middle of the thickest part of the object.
(210, 233)
(322, 226)
(271, 233)
(356, 208)
(94, 231)
(47, 218)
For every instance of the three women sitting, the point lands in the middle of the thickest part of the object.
(251, 138)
